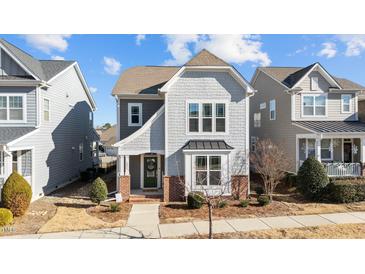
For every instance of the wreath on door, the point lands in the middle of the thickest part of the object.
(151, 165)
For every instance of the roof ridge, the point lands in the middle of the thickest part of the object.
(196, 56)
(6, 42)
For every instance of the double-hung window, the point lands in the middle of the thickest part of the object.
(206, 117)
(346, 103)
(208, 170)
(257, 119)
(134, 114)
(272, 109)
(314, 105)
(311, 147)
(326, 149)
(46, 109)
(12, 108)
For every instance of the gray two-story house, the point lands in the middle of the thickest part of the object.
(183, 128)
(46, 120)
(309, 112)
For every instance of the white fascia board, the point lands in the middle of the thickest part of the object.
(234, 73)
(20, 83)
(22, 137)
(302, 127)
(324, 73)
(18, 61)
(139, 96)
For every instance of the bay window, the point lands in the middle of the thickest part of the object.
(12, 108)
(206, 117)
(208, 170)
(314, 105)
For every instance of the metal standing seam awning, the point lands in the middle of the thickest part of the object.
(206, 145)
(335, 127)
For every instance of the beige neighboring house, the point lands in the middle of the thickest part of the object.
(309, 112)
(107, 140)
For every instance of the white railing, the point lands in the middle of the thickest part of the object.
(343, 169)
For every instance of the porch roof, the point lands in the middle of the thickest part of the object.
(207, 145)
(332, 126)
(8, 134)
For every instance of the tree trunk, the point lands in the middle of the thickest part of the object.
(210, 209)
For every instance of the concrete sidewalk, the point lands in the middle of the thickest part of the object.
(141, 226)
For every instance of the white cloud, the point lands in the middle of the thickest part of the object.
(231, 48)
(355, 44)
(111, 65)
(48, 42)
(93, 89)
(140, 38)
(328, 50)
(57, 57)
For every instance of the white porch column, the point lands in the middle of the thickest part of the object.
(121, 165)
(362, 150)
(127, 165)
(318, 149)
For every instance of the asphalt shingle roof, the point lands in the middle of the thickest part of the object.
(43, 69)
(8, 134)
(206, 145)
(332, 126)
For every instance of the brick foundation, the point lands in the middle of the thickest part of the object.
(125, 187)
(173, 189)
(239, 186)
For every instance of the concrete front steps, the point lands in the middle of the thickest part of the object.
(145, 198)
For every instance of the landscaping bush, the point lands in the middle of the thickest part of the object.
(16, 194)
(114, 207)
(244, 203)
(345, 191)
(195, 199)
(222, 204)
(98, 191)
(259, 190)
(6, 217)
(263, 200)
(312, 179)
(291, 179)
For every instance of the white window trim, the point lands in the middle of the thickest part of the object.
(313, 82)
(257, 122)
(342, 103)
(130, 105)
(49, 109)
(200, 117)
(314, 106)
(331, 149)
(8, 121)
(208, 185)
(81, 151)
(274, 118)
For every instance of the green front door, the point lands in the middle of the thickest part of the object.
(150, 172)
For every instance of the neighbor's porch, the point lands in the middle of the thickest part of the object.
(341, 156)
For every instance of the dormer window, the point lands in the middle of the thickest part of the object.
(314, 83)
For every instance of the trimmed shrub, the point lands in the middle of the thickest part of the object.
(222, 204)
(6, 217)
(263, 200)
(312, 179)
(114, 207)
(345, 191)
(291, 179)
(244, 203)
(16, 194)
(98, 191)
(259, 190)
(195, 199)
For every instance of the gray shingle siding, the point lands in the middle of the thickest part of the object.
(31, 99)
(56, 142)
(209, 86)
(149, 107)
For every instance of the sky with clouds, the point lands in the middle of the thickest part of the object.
(103, 58)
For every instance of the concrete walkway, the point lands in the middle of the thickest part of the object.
(143, 222)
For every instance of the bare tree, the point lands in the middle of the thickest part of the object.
(271, 163)
(214, 195)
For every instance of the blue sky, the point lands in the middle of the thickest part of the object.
(103, 57)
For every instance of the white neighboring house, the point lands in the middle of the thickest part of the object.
(183, 123)
(46, 120)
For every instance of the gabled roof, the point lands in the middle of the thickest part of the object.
(43, 69)
(8, 134)
(289, 76)
(206, 58)
(108, 136)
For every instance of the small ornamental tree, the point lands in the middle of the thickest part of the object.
(271, 163)
(98, 191)
(16, 194)
(312, 179)
(6, 217)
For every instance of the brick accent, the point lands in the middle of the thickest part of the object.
(173, 189)
(239, 186)
(363, 169)
(125, 187)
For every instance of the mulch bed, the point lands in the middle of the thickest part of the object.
(104, 213)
